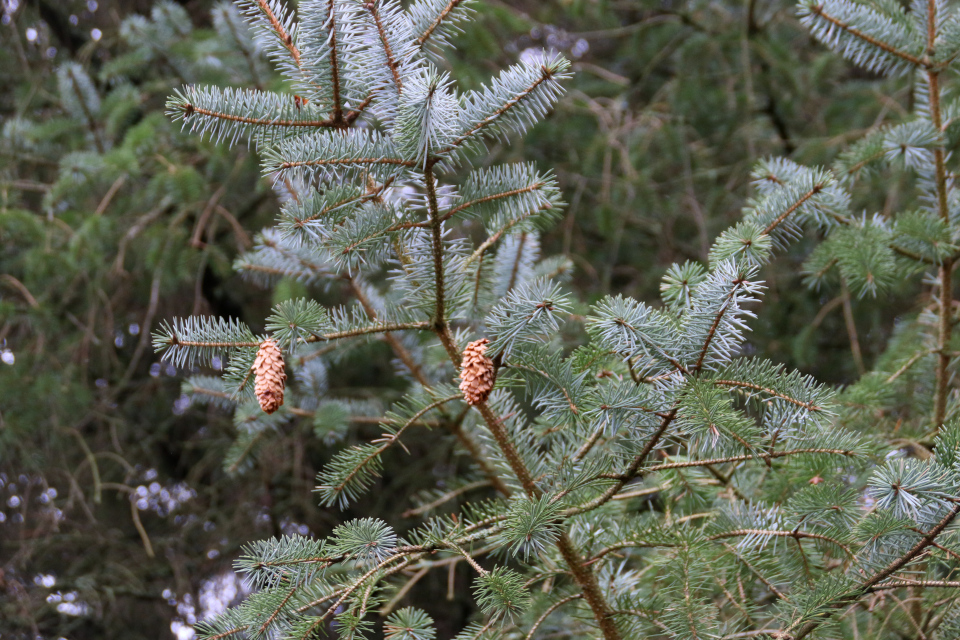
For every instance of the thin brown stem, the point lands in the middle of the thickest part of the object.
(326, 162)
(455, 427)
(809, 406)
(781, 534)
(631, 472)
(556, 605)
(945, 331)
(494, 196)
(281, 32)
(422, 39)
(331, 26)
(852, 330)
(903, 55)
(796, 205)
(391, 62)
(879, 577)
(190, 109)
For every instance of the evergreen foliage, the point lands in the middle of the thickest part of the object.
(777, 513)
(651, 148)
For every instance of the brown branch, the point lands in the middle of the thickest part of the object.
(502, 230)
(744, 458)
(323, 162)
(556, 605)
(589, 587)
(190, 109)
(716, 324)
(227, 634)
(903, 55)
(496, 196)
(883, 574)
(906, 582)
(755, 387)
(510, 104)
(796, 205)
(285, 37)
(439, 316)
(632, 471)
(276, 612)
(781, 534)
(391, 63)
(945, 329)
(779, 594)
(331, 25)
(436, 23)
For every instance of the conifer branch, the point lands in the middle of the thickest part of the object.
(324, 162)
(227, 634)
(909, 363)
(743, 384)
(282, 33)
(945, 328)
(781, 534)
(381, 32)
(276, 612)
(386, 327)
(388, 439)
(878, 578)
(331, 25)
(190, 109)
(546, 75)
(635, 470)
(87, 115)
(556, 605)
(454, 426)
(492, 240)
(372, 194)
(587, 580)
(446, 497)
(769, 585)
(490, 198)
(716, 323)
(839, 24)
(632, 471)
(796, 205)
(744, 458)
(423, 37)
(906, 582)
(581, 573)
(349, 590)
(436, 224)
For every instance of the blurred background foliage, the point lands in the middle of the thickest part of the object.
(117, 516)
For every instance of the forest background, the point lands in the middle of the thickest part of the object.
(118, 515)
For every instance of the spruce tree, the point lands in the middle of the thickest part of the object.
(634, 472)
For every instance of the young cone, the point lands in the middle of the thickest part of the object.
(268, 368)
(477, 372)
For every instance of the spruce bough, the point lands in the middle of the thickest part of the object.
(651, 482)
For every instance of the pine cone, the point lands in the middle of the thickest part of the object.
(268, 368)
(477, 372)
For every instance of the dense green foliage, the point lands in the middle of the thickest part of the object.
(114, 222)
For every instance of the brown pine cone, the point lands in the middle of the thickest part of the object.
(268, 368)
(477, 373)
